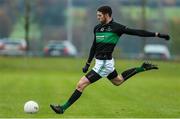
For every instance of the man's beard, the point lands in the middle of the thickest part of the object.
(103, 22)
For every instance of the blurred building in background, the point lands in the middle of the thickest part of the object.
(73, 20)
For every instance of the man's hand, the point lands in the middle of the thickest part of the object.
(85, 68)
(165, 36)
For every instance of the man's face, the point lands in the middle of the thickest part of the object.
(101, 17)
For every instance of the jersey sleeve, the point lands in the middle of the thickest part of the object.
(137, 32)
(92, 50)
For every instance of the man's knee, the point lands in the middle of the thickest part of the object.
(82, 84)
(117, 81)
(79, 86)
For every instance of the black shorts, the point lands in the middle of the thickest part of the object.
(92, 76)
(112, 75)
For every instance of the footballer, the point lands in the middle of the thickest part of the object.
(106, 36)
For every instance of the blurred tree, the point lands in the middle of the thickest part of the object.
(50, 12)
(27, 22)
(2, 2)
(175, 31)
(5, 24)
(169, 2)
(144, 26)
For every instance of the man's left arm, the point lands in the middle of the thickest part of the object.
(145, 33)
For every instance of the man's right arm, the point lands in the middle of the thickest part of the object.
(91, 55)
(92, 52)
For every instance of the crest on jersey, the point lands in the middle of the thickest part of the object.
(109, 29)
(102, 29)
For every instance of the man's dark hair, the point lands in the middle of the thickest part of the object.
(105, 10)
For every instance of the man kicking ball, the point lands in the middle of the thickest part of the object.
(106, 36)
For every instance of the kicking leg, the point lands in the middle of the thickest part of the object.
(144, 67)
(115, 78)
(119, 79)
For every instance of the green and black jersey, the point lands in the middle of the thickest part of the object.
(106, 37)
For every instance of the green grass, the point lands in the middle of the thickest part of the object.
(52, 80)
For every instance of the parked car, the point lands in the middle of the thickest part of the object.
(14, 47)
(157, 51)
(60, 48)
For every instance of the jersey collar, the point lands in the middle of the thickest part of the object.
(108, 23)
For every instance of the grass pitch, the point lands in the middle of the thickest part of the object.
(52, 80)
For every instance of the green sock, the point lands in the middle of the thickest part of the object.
(65, 106)
(140, 69)
(75, 96)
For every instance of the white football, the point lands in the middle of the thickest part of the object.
(31, 107)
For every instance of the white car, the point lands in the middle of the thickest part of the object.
(157, 51)
(60, 48)
(13, 47)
